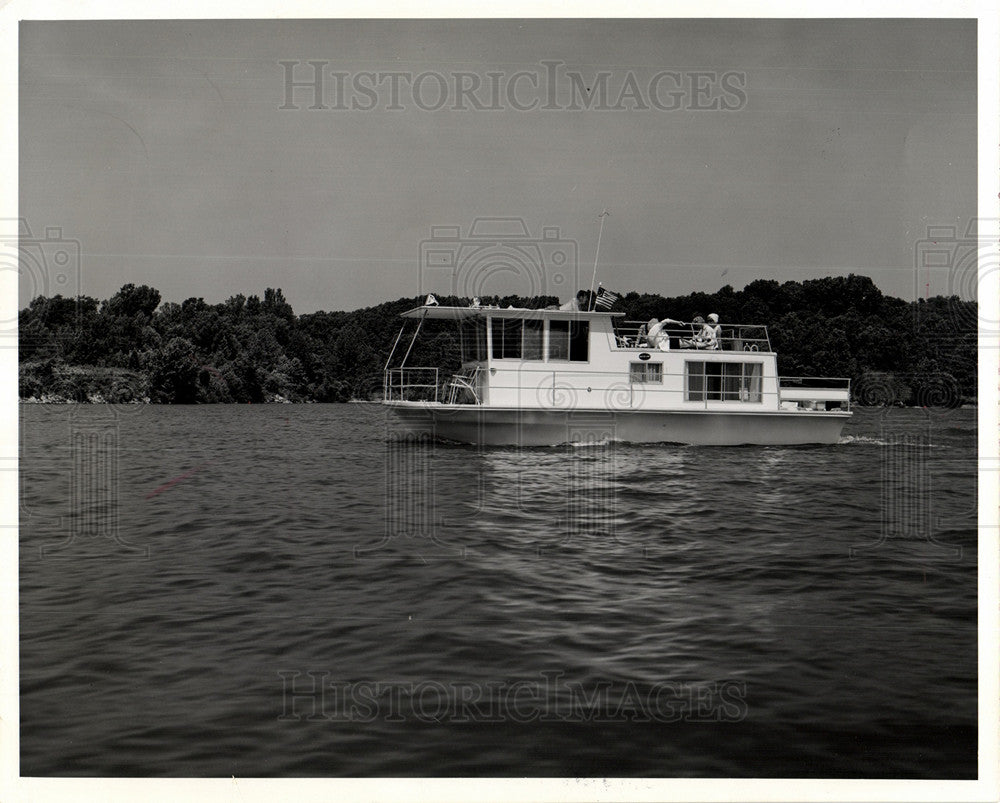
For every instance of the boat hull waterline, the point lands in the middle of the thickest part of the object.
(492, 426)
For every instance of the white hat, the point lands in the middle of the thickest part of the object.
(713, 317)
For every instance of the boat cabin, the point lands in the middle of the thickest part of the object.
(562, 359)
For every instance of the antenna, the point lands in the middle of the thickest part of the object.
(597, 252)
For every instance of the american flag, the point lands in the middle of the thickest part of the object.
(605, 298)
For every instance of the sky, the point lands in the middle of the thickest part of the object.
(825, 147)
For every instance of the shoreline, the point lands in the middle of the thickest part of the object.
(97, 400)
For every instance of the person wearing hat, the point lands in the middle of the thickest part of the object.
(705, 338)
(713, 324)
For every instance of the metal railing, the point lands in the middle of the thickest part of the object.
(411, 384)
(819, 384)
(734, 337)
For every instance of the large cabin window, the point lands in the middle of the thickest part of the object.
(473, 336)
(569, 340)
(533, 339)
(516, 339)
(507, 338)
(723, 381)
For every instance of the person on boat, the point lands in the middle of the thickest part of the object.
(707, 336)
(578, 303)
(640, 335)
(657, 336)
(713, 324)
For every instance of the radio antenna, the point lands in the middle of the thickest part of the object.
(597, 253)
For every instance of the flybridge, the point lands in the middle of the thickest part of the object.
(435, 312)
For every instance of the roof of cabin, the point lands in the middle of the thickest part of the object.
(463, 313)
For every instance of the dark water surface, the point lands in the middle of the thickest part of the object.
(616, 610)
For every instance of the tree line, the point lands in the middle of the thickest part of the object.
(132, 347)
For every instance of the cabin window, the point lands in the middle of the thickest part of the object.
(515, 339)
(473, 335)
(724, 381)
(507, 338)
(645, 372)
(569, 340)
(533, 339)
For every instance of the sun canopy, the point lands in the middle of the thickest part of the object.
(463, 313)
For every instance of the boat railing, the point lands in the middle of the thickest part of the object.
(814, 392)
(830, 382)
(734, 337)
(411, 384)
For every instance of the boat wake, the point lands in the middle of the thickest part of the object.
(861, 440)
(867, 440)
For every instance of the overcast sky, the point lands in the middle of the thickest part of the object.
(162, 148)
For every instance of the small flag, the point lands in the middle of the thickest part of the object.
(430, 301)
(605, 298)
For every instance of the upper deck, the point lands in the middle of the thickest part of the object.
(626, 334)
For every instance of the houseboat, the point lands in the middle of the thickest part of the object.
(541, 377)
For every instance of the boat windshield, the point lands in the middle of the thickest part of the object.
(472, 333)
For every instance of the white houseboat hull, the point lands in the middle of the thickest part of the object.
(496, 426)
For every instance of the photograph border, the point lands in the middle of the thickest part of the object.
(13, 787)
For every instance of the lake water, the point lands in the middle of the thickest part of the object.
(290, 590)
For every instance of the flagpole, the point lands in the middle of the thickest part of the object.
(597, 252)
